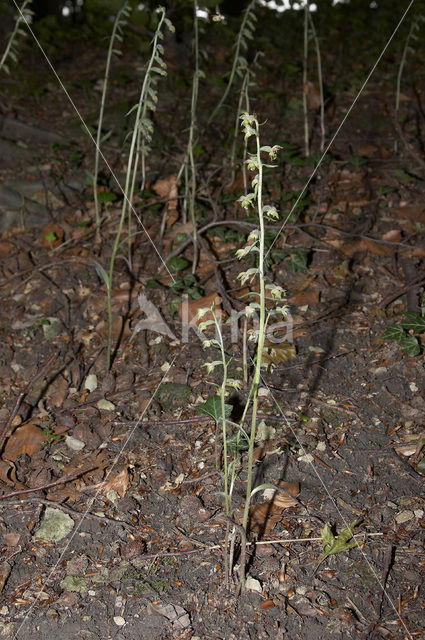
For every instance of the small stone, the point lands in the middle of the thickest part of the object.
(404, 516)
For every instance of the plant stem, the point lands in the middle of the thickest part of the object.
(123, 12)
(305, 62)
(320, 81)
(261, 335)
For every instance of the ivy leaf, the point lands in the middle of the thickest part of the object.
(212, 408)
(177, 263)
(414, 322)
(393, 332)
(299, 260)
(410, 345)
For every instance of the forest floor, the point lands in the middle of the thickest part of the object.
(111, 504)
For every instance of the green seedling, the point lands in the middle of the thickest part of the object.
(51, 436)
(340, 544)
(149, 580)
(405, 332)
(181, 284)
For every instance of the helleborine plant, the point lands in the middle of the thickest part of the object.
(255, 245)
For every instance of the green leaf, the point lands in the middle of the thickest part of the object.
(212, 408)
(420, 467)
(410, 345)
(50, 237)
(175, 305)
(105, 197)
(154, 284)
(177, 263)
(102, 274)
(414, 322)
(405, 177)
(237, 442)
(299, 260)
(340, 544)
(303, 417)
(394, 332)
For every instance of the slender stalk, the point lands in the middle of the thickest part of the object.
(320, 81)
(305, 62)
(413, 27)
(116, 35)
(245, 32)
(261, 333)
(256, 243)
(142, 129)
(191, 142)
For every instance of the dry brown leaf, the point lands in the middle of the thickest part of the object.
(310, 296)
(7, 474)
(414, 213)
(99, 459)
(394, 235)
(167, 188)
(313, 96)
(5, 570)
(59, 391)
(286, 498)
(189, 311)
(6, 249)
(367, 150)
(263, 517)
(120, 328)
(275, 353)
(25, 439)
(64, 493)
(12, 538)
(118, 483)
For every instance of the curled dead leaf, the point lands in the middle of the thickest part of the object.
(118, 483)
(25, 439)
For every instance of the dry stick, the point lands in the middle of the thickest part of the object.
(22, 396)
(48, 485)
(73, 512)
(215, 547)
(241, 224)
(399, 292)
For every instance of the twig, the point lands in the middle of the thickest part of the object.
(247, 226)
(415, 284)
(22, 396)
(49, 485)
